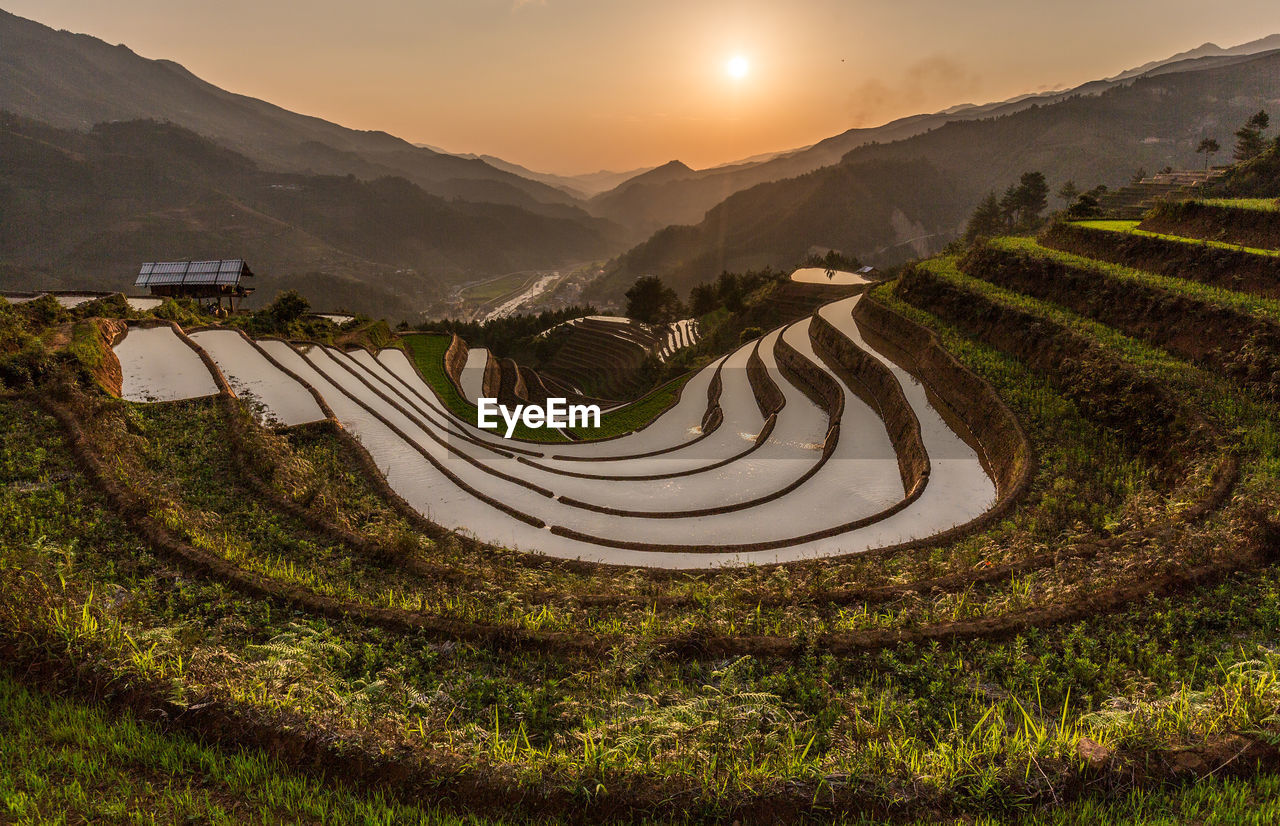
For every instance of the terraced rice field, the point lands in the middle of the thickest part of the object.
(602, 353)
(818, 275)
(703, 485)
(679, 335)
(68, 300)
(143, 303)
(995, 540)
(157, 365)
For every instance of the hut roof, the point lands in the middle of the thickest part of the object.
(176, 273)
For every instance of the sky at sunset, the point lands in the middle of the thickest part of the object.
(578, 85)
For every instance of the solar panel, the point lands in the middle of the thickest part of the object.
(169, 273)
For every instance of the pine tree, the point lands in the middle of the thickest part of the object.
(1249, 142)
(1009, 205)
(651, 301)
(1033, 198)
(987, 221)
(1208, 147)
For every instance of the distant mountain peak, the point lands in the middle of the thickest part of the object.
(73, 81)
(1206, 49)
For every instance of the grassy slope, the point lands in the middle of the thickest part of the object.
(71, 763)
(1261, 204)
(1132, 228)
(1263, 308)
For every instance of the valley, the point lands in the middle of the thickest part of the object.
(928, 474)
(905, 450)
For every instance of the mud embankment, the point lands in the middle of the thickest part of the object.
(1258, 228)
(970, 405)
(455, 358)
(881, 390)
(1230, 269)
(1216, 336)
(1143, 411)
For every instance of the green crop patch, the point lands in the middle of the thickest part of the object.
(637, 414)
(1262, 204)
(1264, 308)
(427, 352)
(1132, 227)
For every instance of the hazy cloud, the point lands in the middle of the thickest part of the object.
(934, 83)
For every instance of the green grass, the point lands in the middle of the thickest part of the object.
(63, 762)
(1131, 227)
(1085, 476)
(1211, 801)
(1250, 422)
(428, 350)
(889, 719)
(1260, 204)
(986, 726)
(638, 413)
(1264, 308)
(86, 345)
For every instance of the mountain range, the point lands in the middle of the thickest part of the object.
(375, 223)
(684, 198)
(872, 203)
(83, 209)
(581, 186)
(73, 82)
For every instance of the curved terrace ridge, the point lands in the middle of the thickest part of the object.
(808, 442)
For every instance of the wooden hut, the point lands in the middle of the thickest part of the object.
(200, 280)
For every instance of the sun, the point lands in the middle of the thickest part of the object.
(738, 67)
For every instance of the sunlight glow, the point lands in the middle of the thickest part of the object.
(738, 67)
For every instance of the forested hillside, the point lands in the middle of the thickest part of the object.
(82, 210)
(1155, 121)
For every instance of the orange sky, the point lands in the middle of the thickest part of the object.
(578, 85)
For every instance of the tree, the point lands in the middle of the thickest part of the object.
(1068, 192)
(1208, 147)
(1249, 142)
(651, 301)
(1033, 198)
(729, 288)
(1085, 206)
(1024, 202)
(704, 299)
(987, 220)
(1009, 207)
(288, 307)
